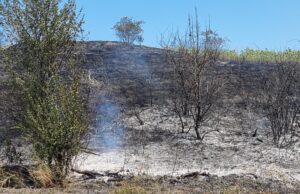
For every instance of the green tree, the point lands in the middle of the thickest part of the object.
(44, 63)
(129, 30)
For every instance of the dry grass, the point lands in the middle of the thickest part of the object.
(232, 190)
(145, 185)
(134, 186)
(26, 177)
(129, 189)
(8, 179)
(43, 175)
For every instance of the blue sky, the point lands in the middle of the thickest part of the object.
(272, 24)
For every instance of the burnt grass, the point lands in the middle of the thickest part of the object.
(137, 77)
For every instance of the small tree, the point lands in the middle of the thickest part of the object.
(196, 82)
(44, 64)
(272, 90)
(278, 95)
(129, 30)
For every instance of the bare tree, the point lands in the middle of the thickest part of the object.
(278, 95)
(196, 80)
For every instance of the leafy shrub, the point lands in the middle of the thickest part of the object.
(45, 69)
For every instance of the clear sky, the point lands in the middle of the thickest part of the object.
(272, 24)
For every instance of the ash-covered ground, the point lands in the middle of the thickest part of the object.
(137, 136)
(135, 132)
(158, 148)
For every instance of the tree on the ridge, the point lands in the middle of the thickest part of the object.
(129, 30)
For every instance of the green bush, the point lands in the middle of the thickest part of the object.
(45, 71)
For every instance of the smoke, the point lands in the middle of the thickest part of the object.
(130, 79)
(108, 134)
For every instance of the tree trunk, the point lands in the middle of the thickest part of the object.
(197, 132)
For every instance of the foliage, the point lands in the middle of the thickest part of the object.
(44, 68)
(261, 56)
(129, 30)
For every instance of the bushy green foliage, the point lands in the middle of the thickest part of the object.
(44, 65)
(56, 123)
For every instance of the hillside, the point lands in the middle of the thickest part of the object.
(135, 132)
(136, 136)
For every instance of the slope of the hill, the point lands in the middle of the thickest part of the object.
(136, 138)
(135, 131)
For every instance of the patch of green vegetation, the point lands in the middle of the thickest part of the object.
(261, 56)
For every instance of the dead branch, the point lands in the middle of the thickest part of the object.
(112, 176)
(89, 174)
(139, 118)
